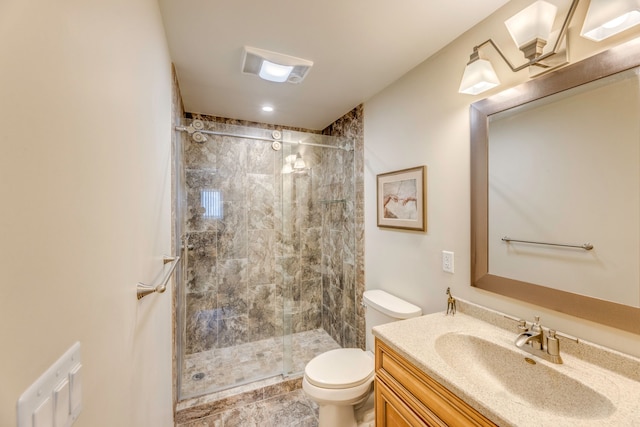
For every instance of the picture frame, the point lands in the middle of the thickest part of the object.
(401, 197)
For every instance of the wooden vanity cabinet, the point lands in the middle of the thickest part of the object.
(406, 396)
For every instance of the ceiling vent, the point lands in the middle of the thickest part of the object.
(274, 67)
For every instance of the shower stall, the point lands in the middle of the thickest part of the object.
(266, 221)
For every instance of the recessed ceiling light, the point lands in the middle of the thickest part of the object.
(267, 108)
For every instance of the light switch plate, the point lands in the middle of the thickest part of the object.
(75, 391)
(30, 403)
(61, 404)
(43, 416)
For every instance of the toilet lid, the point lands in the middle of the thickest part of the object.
(341, 368)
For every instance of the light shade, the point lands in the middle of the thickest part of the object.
(479, 76)
(607, 17)
(532, 24)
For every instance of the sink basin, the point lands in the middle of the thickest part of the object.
(506, 372)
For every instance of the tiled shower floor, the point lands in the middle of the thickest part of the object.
(218, 369)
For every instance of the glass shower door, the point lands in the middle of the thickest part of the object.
(230, 323)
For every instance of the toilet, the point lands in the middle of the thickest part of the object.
(341, 380)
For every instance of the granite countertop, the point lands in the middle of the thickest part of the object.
(613, 375)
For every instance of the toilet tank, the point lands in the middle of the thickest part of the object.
(382, 308)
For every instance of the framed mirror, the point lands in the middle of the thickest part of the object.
(526, 241)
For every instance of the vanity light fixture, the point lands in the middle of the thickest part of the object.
(530, 29)
(606, 18)
(273, 66)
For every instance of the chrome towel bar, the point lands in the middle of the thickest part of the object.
(144, 290)
(585, 246)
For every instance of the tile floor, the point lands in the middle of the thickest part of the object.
(292, 409)
(208, 376)
(218, 369)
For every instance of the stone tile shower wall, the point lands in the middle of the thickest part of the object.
(247, 267)
(345, 311)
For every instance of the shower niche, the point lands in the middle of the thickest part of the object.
(266, 220)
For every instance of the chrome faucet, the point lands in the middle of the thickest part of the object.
(539, 341)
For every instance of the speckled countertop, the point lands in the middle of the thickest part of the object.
(595, 386)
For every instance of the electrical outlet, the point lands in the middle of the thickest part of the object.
(447, 261)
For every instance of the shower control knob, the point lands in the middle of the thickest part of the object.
(276, 134)
(276, 145)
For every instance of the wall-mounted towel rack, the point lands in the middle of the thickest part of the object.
(144, 290)
(585, 246)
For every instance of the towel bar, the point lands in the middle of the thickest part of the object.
(144, 290)
(585, 246)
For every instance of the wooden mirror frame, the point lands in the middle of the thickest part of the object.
(612, 61)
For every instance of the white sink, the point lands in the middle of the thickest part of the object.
(501, 370)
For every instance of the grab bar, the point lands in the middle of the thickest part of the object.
(585, 246)
(144, 290)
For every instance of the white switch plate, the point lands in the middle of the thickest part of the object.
(56, 378)
(447, 261)
(61, 404)
(43, 416)
(75, 391)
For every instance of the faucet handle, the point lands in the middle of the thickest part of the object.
(553, 344)
(536, 324)
(522, 326)
(569, 337)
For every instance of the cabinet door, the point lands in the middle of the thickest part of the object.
(427, 399)
(392, 412)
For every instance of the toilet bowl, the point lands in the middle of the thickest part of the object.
(340, 380)
(337, 380)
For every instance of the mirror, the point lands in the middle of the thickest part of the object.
(602, 284)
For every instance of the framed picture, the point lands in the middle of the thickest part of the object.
(401, 199)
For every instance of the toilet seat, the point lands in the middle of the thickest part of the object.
(340, 369)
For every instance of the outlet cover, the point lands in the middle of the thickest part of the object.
(447, 261)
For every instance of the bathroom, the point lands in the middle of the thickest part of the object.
(86, 112)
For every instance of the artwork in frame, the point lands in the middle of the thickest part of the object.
(401, 199)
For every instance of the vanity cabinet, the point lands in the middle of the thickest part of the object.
(406, 396)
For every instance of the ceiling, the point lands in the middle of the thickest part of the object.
(358, 47)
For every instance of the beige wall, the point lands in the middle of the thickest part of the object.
(85, 111)
(421, 119)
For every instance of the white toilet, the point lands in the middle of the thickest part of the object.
(339, 380)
